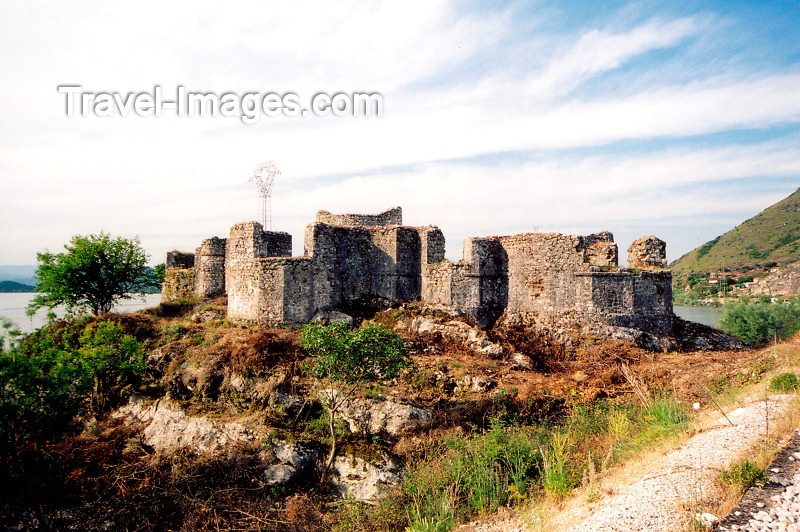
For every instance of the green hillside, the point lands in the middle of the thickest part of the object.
(12, 286)
(773, 236)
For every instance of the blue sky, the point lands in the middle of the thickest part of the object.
(679, 119)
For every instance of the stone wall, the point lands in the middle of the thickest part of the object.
(209, 268)
(253, 278)
(179, 277)
(549, 276)
(531, 277)
(179, 259)
(178, 285)
(352, 263)
(393, 216)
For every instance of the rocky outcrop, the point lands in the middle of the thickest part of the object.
(296, 462)
(170, 429)
(645, 340)
(784, 282)
(696, 336)
(473, 338)
(387, 418)
(366, 480)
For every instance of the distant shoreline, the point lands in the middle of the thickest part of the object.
(8, 287)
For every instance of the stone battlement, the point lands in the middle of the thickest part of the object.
(349, 257)
(393, 216)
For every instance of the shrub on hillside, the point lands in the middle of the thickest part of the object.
(743, 473)
(755, 323)
(55, 373)
(785, 382)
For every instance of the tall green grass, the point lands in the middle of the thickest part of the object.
(471, 475)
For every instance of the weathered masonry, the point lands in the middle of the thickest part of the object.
(529, 277)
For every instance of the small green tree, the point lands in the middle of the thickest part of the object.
(344, 359)
(94, 273)
(159, 270)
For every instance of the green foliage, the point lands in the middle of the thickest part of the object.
(755, 323)
(705, 248)
(93, 273)
(681, 297)
(318, 426)
(159, 271)
(175, 332)
(349, 357)
(460, 477)
(755, 253)
(785, 382)
(57, 372)
(9, 334)
(666, 413)
(556, 476)
(468, 476)
(113, 359)
(743, 473)
(786, 239)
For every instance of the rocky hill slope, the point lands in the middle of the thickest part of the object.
(768, 239)
(229, 430)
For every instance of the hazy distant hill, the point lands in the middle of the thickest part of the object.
(19, 273)
(773, 236)
(12, 286)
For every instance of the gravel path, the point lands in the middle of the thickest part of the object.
(776, 504)
(666, 495)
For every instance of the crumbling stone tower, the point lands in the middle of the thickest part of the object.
(209, 268)
(647, 252)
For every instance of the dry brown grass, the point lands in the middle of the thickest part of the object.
(549, 515)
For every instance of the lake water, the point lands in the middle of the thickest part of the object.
(13, 305)
(705, 315)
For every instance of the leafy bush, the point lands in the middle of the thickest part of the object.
(344, 359)
(705, 248)
(53, 374)
(743, 473)
(112, 359)
(95, 272)
(785, 382)
(682, 297)
(755, 323)
(345, 356)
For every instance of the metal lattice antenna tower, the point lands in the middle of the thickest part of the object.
(263, 176)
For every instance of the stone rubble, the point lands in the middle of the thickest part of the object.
(473, 338)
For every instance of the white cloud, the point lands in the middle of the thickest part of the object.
(598, 51)
(456, 88)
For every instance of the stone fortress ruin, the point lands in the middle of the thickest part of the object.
(542, 278)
